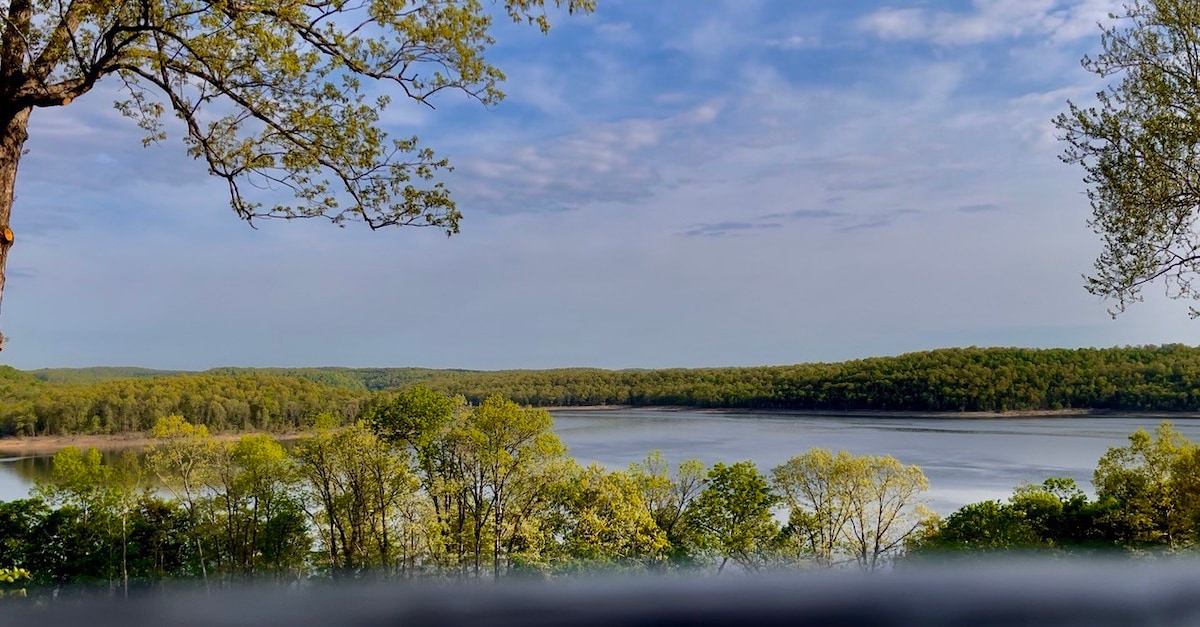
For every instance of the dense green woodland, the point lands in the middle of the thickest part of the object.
(247, 402)
(423, 485)
(106, 400)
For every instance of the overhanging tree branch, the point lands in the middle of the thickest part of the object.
(270, 93)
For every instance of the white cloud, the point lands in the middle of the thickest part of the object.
(793, 42)
(989, 20)
(598, 163)
(617, 32)
(889, 23)
(870, 204)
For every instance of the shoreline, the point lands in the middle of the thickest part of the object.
(887, 413)
(24, 446)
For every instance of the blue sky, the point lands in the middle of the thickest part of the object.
(668, 183)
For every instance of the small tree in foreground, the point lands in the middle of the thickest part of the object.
(732, 517)
(844, 507)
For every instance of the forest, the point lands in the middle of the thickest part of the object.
(112, 400)
(421, 485)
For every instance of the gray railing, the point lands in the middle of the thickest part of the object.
(1092, 593)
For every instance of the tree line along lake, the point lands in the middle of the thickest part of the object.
(966, 459)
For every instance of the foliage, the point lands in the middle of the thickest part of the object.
(733, 518)
(1147, 500)
(1139, 146)
(667, 497)
(357, 491)
(1153, 481)
(1158, 378)
(604, 523)
(866, 508)
(431, 486)
(280, 96)
(958, 379)
(221, 403)
(13, 582)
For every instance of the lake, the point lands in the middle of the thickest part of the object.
(966, 459)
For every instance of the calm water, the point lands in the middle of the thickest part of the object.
(966, 460)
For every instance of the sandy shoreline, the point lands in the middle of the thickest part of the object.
(48, 444)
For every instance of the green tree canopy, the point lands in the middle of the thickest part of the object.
(864, 508)
(1151, 479)
(1140, 146)
(732, 516)
(271, 93)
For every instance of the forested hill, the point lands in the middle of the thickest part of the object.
(1157, 378)
(351, 378)
(1160, 378)
(98, 373)
(29, 406)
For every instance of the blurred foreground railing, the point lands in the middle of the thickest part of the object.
(1093, 593)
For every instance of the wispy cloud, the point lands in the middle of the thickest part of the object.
(876, 223)
(792, 42)
(614, 162)
(42, 221)
(21, 272)
(805, 214)
(722, 229)
(990, 20)
(815, 170)
(978, 208)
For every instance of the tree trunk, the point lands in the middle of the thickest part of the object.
(13, 133)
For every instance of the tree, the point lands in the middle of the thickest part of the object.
(818, 487)
(270, 92)
(603, 522)
(257, 513)
(668, 497)
(733, 516)
(1055, 514)
(866, 507)
(100, 499)
(1151, 483)
(510, 458)
(357, 485)
(980, 527)
(429, 426)
(1139, 146)
(184, 457)
(888, 509)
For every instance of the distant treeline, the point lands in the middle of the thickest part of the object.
(1149, 378)
(223, 403)
(1163, 378)
(351, 378)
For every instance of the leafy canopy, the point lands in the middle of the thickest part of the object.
(1140, 147)
(271, 92)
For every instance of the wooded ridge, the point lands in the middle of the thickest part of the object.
(109, 400)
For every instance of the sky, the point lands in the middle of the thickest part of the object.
(672, 183)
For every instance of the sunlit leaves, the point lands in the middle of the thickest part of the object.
(844, 506)
(733, 516)
(280, 96)
(1140, 147)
